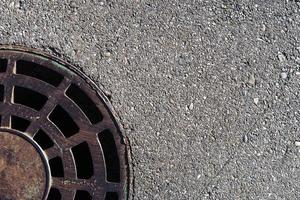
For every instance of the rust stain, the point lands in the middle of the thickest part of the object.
(22, 171)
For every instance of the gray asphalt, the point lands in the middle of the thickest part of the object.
(207, 90)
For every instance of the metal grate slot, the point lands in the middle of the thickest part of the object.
(111, 156)
(83, 161)
(29, 98)
(64, 122)
(56, 166)
(85, 103)
(54, 194)
(111, 196)
(43, 140)
(19, 123)
(82, 195)
(3, 64)
(37, 71)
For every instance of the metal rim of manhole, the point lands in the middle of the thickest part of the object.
(59, 136)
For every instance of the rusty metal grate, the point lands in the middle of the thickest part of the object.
(59, 139)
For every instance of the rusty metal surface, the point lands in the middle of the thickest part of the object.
(97, 185)
(22, 171)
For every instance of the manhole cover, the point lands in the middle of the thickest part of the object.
(58, 136)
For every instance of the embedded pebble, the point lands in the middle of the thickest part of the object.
(245, 138)
(283, 75)
(191, 106)
(107, 54)
(281, 57)
(252, 80)
(297, 143)
(256, 100)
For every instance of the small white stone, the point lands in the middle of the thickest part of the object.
(255, 100)
(252, 80)
(281, 57)
(107, 54)
(298, 73)
(297, 143)
(191, 106)
(283, 75)
(245, 138)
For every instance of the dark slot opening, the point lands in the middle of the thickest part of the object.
(54, 194)
(56, 166)
(64, 122)
(1, 93)
(37, 71)
(111, 196)
(112, 162)
(19, 123)
(85, 103)
(83, 161)
(82, 195)
(29, 98)
(3, 65)
(43, 140)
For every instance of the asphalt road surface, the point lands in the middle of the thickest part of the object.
(207, 90)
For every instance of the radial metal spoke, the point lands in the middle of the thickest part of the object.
(7, 82)
(11, 66)
(8, 93)
(53, 152)
(5, 119)
(67, 194)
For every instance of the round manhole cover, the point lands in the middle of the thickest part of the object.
(58, 137)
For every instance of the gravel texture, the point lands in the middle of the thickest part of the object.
(207, 90)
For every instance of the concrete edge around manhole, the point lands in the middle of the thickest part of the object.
(130, 190)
